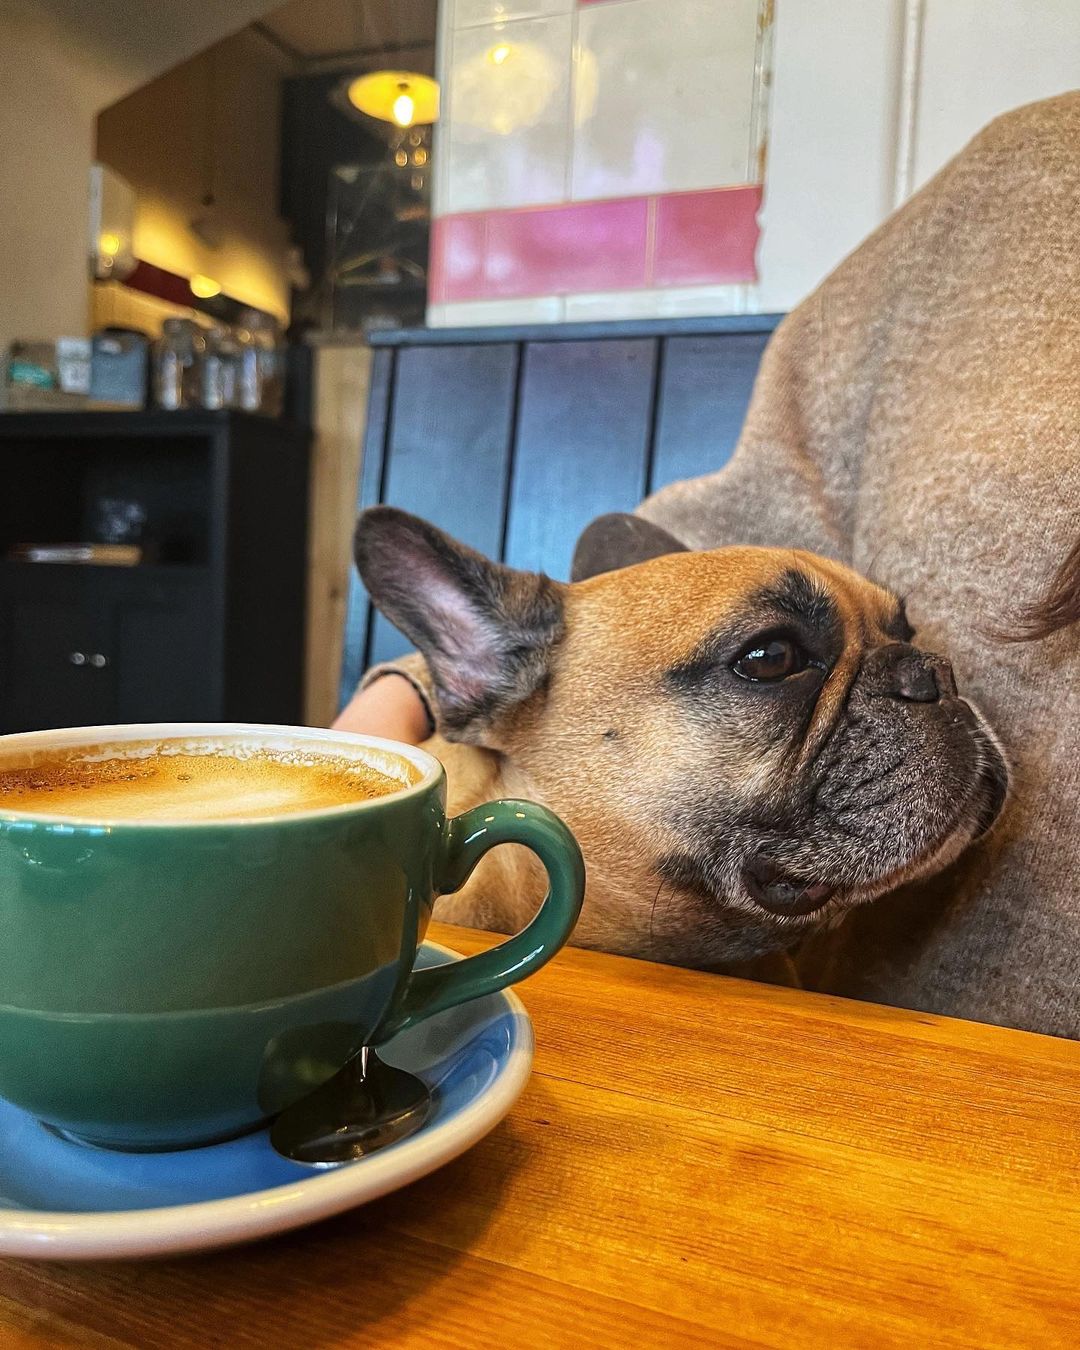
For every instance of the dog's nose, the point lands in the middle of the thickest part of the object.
(906, 673)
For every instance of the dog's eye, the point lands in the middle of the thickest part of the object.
(769, 660)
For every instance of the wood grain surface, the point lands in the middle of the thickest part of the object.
(696, 1161)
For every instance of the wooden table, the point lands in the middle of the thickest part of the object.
(697, 1161)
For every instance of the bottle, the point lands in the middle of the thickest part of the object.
(263, 381)
(229, 352)
(212, 384)
(272, 360)
(251, 371)
(193, 376)
(172, 355)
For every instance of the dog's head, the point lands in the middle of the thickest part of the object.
(745, 741)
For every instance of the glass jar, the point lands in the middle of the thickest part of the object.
(229, 354)
(177, 364)
(272, 362)
(263, 380)
(212, 383)
(251, 371)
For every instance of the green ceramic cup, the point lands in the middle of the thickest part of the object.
(167, 984)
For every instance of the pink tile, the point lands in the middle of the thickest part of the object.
(583, 246)
(705, 237)
(455, 257)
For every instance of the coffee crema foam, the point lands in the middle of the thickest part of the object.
(137, 782)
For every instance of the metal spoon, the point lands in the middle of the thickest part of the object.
(367, 1105)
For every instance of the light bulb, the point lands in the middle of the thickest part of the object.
(109, 244)
(404, 109)
(500, 53)
(205, 287)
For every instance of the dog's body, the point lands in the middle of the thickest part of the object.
(744, 742)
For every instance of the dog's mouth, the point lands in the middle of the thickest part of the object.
(780, 892)
(787, 895)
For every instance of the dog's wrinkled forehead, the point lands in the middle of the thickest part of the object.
(684, 607)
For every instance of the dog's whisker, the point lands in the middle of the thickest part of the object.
(652, 911)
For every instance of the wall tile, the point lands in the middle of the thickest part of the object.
(590, 246)
(665, 302)
(706, 237)
(483, 313)
(663, 96)
(471, 13)
(455, 257)
(592, 306)
(506, 136)
(686, 302)
(696, 239)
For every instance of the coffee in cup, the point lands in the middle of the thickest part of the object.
(174, 781)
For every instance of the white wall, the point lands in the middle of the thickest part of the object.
(250, 244)
(46, 144)
(60, 62)
(829, 175)
(856, 81)
(980, 57)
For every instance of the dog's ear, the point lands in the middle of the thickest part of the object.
(619, 540)
(486, 630)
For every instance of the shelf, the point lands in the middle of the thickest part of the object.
(87, 423)
(141, 572)
(157, 569)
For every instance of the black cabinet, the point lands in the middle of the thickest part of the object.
(210, 626)
(513, 439)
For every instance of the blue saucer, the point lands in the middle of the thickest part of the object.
(59, 1198)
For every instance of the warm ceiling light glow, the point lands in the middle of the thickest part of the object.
(399, 96)
(506, 86)
(109, 244)
(404, 108)
(205, 287)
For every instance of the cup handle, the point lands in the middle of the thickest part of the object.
(468, 838)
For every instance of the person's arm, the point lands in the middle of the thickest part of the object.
(389, 707)
(395, 700)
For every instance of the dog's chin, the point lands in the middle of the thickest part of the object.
(799, 899)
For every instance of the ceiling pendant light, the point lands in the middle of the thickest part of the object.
(399, 96)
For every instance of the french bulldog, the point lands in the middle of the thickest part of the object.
(745, 742)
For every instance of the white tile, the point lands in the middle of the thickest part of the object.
(471, 13)
(675, 302)
(483, 313)
(685, 302)
(595, 305)
(506, 135)
(663, 96)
